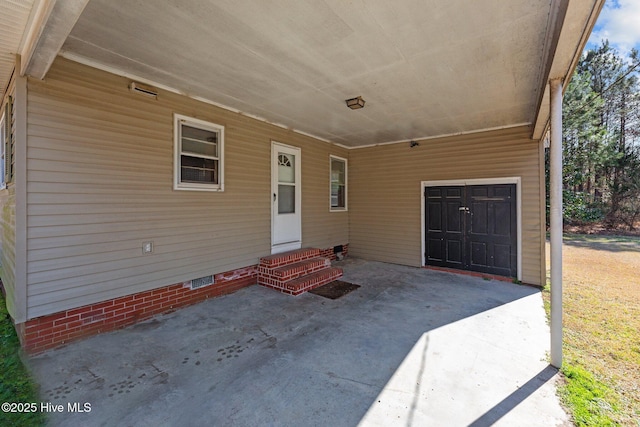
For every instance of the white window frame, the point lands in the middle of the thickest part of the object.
(178, 121)
(346, 184)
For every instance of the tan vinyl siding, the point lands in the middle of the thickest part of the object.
(8, 245)
(321, 228)
(385, 193)
(8, 220)
(100, 179)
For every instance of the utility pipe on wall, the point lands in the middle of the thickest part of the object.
(555, 220)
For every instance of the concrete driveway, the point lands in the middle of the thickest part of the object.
(410, 347)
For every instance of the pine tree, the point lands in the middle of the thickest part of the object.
(601, 139)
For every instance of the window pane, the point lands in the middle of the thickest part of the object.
(338, 183)
(197, 147)
(337, 171)
(199, 150)
(199, 141)
(286, 199)
(199, 134)
(338, 198)
(197, 169)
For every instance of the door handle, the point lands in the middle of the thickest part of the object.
(274, 197)
(464, 208)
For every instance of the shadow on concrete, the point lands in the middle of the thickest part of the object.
(417, 391)
(515, 398)
(258, 357)
(603, 242)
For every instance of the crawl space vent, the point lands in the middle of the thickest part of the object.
(202, 281)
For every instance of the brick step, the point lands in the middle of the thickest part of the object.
(308, 282)
(295, 270)
(290, 257)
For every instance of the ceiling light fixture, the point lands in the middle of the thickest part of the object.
(355, 103)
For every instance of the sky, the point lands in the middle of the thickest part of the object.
(619, 22)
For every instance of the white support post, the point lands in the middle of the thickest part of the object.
(555, 219)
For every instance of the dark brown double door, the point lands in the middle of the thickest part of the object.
(472, 228)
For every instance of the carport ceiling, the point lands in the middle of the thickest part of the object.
(424, 68)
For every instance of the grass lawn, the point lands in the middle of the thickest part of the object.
(601, 313)
(15, 384)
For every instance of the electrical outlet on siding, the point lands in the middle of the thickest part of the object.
(147, 247)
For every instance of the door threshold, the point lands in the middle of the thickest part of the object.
(485, 276)
(284, 247)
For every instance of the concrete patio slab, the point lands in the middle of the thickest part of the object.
(410, 347)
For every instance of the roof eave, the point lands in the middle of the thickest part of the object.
(574, 28)
(47, 30)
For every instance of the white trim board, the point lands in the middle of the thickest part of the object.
(481, 181)
(444, 135)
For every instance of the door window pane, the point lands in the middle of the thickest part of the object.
(286, 167)
(286, 199)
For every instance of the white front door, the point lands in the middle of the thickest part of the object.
(286, 221)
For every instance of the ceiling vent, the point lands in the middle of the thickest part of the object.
(143, 89)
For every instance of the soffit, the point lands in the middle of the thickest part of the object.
(425, 68)
(14, 15)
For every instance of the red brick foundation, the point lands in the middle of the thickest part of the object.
(53, 330)
(328, 253)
